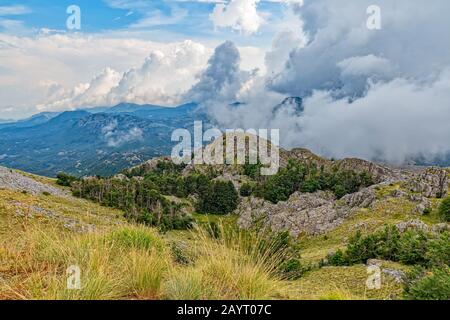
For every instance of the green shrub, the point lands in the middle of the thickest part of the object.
(246, 190)
(444, 209)
(337, 259)
(180, 253)
(410, 247)
(428, 285)
(220, 198)
(64, 179)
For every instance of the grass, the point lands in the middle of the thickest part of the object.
(387, 211)
(119, 260)
(341, 283)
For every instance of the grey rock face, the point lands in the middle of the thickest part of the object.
(412, 224)
(431, 183)
(10, 179)
(307, 213)
(397, 275)
(361, 199)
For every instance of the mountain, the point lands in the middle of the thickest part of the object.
(293, 104)
(83, 142)
(31, 121)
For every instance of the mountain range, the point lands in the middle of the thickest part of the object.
(97, 141)
(105, 140)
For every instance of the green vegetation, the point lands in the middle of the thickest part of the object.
(307, 178)
(246, 190)
(221, 197)
(411, 248)
(444, 209)
(422, 284)
(157, 258)
(144, 198)
(429, 253)
(65, 180)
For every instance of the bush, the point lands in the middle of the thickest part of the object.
(444, 209)
(428, 285)
(337, 259)
(410, 247)
(220, 198)
(246, 190)
(64, 179)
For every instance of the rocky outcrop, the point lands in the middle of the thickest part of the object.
(378, 172)
(430, 183)
(147, 166)
(13, 180)
(412, 225)
(304, 213)
(361, 199)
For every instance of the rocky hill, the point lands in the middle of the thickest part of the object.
(57, 229)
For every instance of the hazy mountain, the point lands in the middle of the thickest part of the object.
(83, 142)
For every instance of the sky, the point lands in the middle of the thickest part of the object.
(40, 55)
(374, 75)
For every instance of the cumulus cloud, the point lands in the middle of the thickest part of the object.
(240, 15)
(165, 74)
(338, 33)
(222, 80)
(371, 94)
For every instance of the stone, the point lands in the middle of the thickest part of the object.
(412, 224)
(423, 207)
(14, 180)
(361, 199)
(397, 275)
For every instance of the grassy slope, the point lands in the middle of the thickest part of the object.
(119, 260)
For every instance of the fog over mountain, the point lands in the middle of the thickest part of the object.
(375, 94)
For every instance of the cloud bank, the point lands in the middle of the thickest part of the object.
(375, 94)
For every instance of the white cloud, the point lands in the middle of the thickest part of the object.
(14, 10)
(161, 79)
(369, 94)
(240, 15)
(338, 33)
(115, 137)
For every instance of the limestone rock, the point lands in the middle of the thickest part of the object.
(304, 213)
(361, 199)
(11, 179)
(430, 183)
(412, 224)
(397, 275)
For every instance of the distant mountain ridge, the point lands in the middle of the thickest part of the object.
(92, 140)
(104, 140)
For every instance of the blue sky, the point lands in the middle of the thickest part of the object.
(154, 19)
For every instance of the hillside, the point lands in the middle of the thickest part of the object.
(44, 230)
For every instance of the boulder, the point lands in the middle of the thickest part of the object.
(361, 199)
